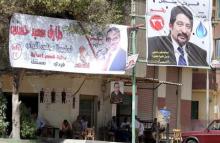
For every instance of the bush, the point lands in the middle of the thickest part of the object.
(28, 125)
(3, 123)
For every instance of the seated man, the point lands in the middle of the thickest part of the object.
(124, 134)
(125, 125)
(40, 124)
(112, 125)
(139, 127)
(77, 128)
(65, 130)
(84, 123)
(112, 128)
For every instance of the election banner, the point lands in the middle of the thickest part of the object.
(44, 43)
(179, 33)
(131, 61)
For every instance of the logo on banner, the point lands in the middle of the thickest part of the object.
(157, 22)
(201, 30)
(16, 51)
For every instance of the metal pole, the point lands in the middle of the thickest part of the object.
(207, 97)
(133, 47)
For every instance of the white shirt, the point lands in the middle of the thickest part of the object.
(140, 127)
(40, 122)
(177, 53)
(125, 124)
(112, 57)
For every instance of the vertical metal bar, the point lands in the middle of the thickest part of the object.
(153, 90)
(207, 97)
(133, 47)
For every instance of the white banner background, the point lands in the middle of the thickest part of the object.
(37, 42)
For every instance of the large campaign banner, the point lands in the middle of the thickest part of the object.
(44, 43)
(179, 33)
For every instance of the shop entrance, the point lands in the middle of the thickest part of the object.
(124, 109)
(88, 109)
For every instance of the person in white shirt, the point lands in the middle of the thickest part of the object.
(125, 124)
(40, 123)
(140, 129)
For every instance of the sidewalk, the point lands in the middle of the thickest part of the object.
(51, 140)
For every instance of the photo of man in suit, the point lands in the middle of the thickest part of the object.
(175, 49)
(116, 56)
(116, 95)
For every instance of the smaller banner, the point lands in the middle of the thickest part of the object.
(131, 61)
(117, 92)
(163, 117)
(44, 43)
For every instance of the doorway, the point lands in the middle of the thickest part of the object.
(30, 100)
(88, 109)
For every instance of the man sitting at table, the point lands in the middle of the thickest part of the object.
(65, 130)
(124, 133)
(40, 123)
(77, 128)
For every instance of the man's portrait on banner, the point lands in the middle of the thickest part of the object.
(180, 46)
(116, 54)
(117, 92)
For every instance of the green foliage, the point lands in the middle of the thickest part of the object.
(28, 125)
(95, 11)
(3, 123)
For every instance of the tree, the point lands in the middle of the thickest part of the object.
(100, 12)
(3, 107)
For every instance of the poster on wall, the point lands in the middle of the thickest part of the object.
(117, 92)
(44, 43)
(163, 116)
(179, 33)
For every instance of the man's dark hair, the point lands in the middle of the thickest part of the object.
(116, 83)
(113, 29)
(180, 10)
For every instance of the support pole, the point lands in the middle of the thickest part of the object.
(207, 97)
(133, 47)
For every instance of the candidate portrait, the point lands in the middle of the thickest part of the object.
(116, 55)
(116, 95)
(176, 49)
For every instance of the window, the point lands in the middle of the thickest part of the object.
(217, 49)
(194, 109)
(215, 125)
(218, 9)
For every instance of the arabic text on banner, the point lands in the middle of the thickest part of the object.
(44, 43)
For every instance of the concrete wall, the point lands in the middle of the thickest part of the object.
(176, 98)
(54, 113)
(200, 95)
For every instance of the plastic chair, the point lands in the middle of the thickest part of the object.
(177, 137)
(89, 134)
